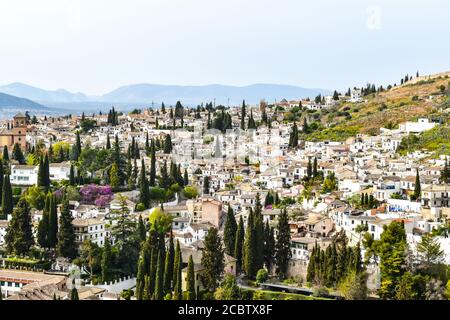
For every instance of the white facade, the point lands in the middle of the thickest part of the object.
(23, 175)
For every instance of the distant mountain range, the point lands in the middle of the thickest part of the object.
(145, 94)
(9, 101)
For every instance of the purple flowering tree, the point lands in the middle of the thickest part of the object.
(98, 195)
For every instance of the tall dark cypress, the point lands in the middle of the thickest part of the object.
(229, 234)
(259, 234)
(2, 173)
(152, 164)
(238, 245)
(249, 247)
(177, 279)
(168, 270)
(53, 223)
(7, 198)
(190, 280)
(283, 246)
(269, 246)
(108, 142)
(243, 115)
(159, 285)
(144, 195)
(66, 233)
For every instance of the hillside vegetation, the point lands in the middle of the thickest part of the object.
(421, 97)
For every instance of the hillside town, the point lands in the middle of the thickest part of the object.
(220, 202)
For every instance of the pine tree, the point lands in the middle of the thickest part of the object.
(283, 245)
(212, 260)
(177, 280)
(7, 198)
(19, 236)
(66, 233)
(239, 243)
(190, 280)
(106, 261)
(229, 234)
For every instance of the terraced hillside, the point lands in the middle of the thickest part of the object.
(424, 96)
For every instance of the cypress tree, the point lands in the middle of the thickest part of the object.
(66, 233)
(7, 198)
(108, 142)
(106, 261)
(259, 234)
(19, 235)
(53, 223)
(315, 172)
(283, 245)
(269, 246)
(212, 260)
(309, 169)
(159, 285)
(143, 269)
(229, 234)
(74, 293)
(238, 246)
(169, 267)
(2, 174)
(417, 187)
(72, 176)
(17, 154)
(243, 115)
(177, 280)
(141, 229)
(168, 144)
(144, 195)
(152, 164)
(5, 154)
(44, 224)
(249, 258)
(190, 280)
(366, 199)
(206, 185)
(78, 143)
(185, 177)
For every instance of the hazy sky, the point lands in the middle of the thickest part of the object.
(95, 46)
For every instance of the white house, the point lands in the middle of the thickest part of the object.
(90, 229)
(24, 175)
(421, 125)
(59, 171)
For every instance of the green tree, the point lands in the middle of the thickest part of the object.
(114, 177)
(7, 198)
(269, 246)
(190, 280)
(168, 144)
(74, 292)
(17, 154)
(229, 234)
(177, 280)
(228, 290)
(52, 223)
(283, 245)
(206, 185)
(212, 260)
(144, 195)
(239, 243)
(417, 187)
(169, 266)
(159, 285)
(66, 233)
(429, 250)
(106, 261)
(391, 249)
(249, 248)
(19, 235)
(354, 286)
(243, 114)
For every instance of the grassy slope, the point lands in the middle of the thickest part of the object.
(399, 106)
